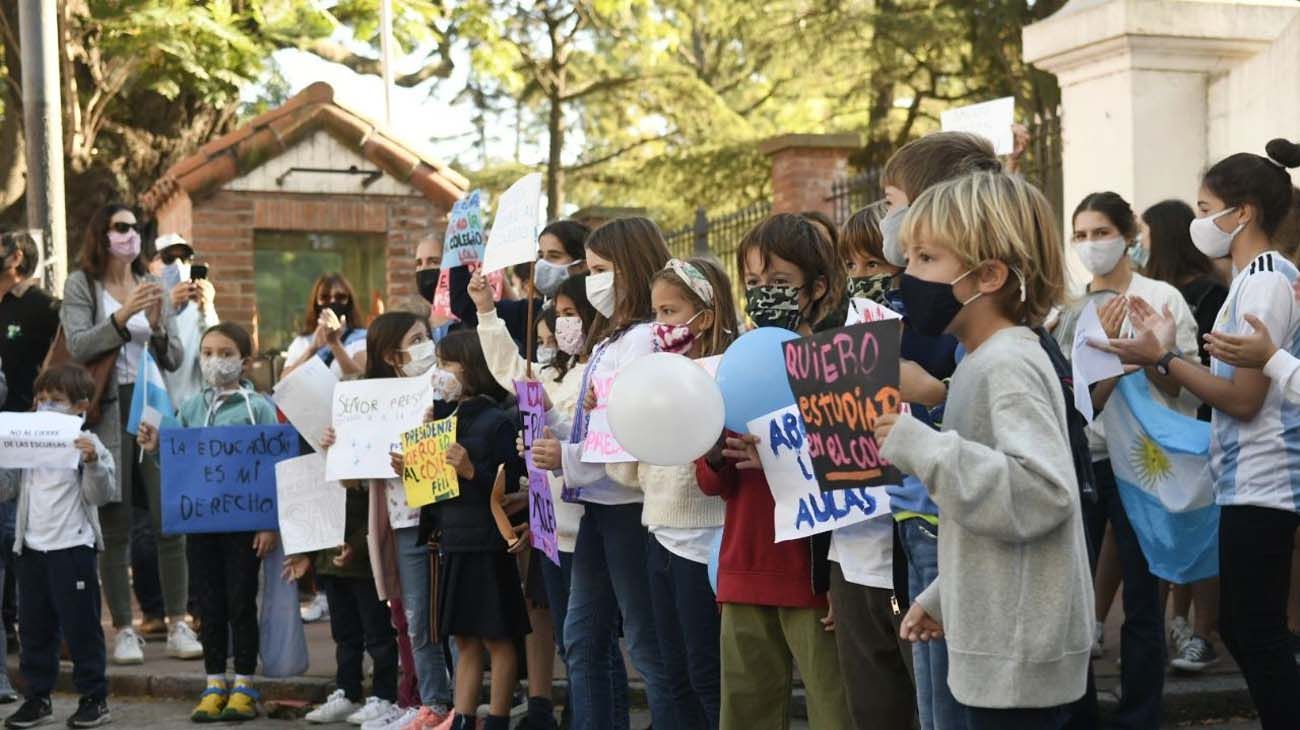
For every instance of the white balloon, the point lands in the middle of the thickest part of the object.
(665, 409)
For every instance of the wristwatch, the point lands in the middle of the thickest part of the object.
(1162, 365)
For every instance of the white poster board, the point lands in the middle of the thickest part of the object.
(312, 511)
(304, 397)
(991, 120)
(513, 238)
(369, 417)
(41, 440)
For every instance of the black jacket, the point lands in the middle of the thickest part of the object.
(487, 431)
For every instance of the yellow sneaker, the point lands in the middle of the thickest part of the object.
(211, 703)
(242, 704)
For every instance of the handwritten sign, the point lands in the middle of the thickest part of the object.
(312, 510)
(442, 294)
(991, 120)
(599, 446)
(463, 242)
(541, 512)
(532, 409)
(802, 509)
(39, 440)
(426, 475)
(513, 239)
(369, 417)
(222, 478)
(862, 310)
(304, 398)
(843, 380)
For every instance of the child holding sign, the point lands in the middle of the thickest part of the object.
(1013, 597)
(229, 561)
(57, 536)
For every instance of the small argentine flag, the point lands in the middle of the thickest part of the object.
(151, 392)
(1162, 465)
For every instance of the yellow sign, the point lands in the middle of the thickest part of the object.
(427, 476)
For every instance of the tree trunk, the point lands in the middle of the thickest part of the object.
(554, 161)
(13, 154)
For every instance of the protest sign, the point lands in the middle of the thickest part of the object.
(41, 440)
(312, 510)
(426, 475)
(991, 120)
(541, 512)
(599, 445)
(802, 509)
(304, 398)
(513, 239)
(369, 417)
(843, 380)
(862, 310)
(463, 242)
(532, 409)
(222, 478)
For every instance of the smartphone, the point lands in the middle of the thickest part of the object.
(198, 271)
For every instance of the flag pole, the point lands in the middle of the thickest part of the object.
(530, 331)
(386, 55)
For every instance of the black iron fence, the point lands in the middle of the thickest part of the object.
(718, 236)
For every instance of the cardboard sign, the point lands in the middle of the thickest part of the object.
(441, 306)
(802, 509)
(541, 512)
(843, 380)
(426, 475)
(41, 440)
(463, 242)
(222, 478)
(513, 239)
(312, 511)
(862, 310)
(304, 398)
(532, 409)
(991, 120)
(369, 417)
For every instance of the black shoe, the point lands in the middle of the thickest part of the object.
(90, 712)
(33, 712)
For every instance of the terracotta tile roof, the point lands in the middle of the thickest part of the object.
(272, 133)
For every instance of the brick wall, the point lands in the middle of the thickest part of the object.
(222, 227)
(803, 168)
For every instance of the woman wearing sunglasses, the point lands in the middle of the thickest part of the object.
(112, 304)
(331, 330)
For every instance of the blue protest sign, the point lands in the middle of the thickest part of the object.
(222, 479)
(463, 243)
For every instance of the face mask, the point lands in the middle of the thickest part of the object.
(891, 230)
(931, 305)
(568, 334)
(426, 281)
(600, 292)
(446, 387)
(546, 354)
(1100, 257)
(870, 287)
(124, 245)
(1139, 254)
(774, 306)
(547, 276)
(46, 406)
(220, 372)
(423, 356)
(340, 310)
(1209, 238)
(674, 338)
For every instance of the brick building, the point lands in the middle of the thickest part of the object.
(309, 187)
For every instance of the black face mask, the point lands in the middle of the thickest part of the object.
(426, 281)
(930, 305)
(341, 310)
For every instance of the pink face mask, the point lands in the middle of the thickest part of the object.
(124, 245)
(674, 338)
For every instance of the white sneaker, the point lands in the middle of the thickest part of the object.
(182, 643)
(372, 710)
(394, 719)
(128, 648)
(337, 708)
(314, 610)
(1097, 638)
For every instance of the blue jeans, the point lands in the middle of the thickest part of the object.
(556, 579)
(609, 575)
(413, 570)
(688, 624)
(935, 705)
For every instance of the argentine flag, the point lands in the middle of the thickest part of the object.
(1162, 465)
(150, 390)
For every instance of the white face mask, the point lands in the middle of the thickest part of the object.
(546, 354)
(446, 387)
(600, 292)
(1209, 238)
(423, 356)
(548, 277)
(1100, 257)
(568, 334)
(221, 372)
(891, 231)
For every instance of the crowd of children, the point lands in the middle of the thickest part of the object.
(988, 623)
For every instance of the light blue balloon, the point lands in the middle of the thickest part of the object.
(715, 552)
(752, 377)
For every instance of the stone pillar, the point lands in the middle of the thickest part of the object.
(803, 167)
(1135, 80)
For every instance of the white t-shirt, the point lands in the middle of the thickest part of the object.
(399, 515)
(302, 343)
(691, 543)
(56, 517)
(865, 552)
(128, 360)
(1256, 462)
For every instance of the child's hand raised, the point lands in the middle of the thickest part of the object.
(147, 437)
(264, 542)
(328, 438)
(481, 293)
(458, 457)
(87, 449)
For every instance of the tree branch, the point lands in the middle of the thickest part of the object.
(338, 53)
(586, 164)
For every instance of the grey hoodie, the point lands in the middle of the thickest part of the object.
(98, 488)
(1013, 593)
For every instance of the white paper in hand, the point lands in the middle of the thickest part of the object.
(1088, 363)
(41, 440)
(304, 397)
(312, 511)
(991, 120)
(513, 239)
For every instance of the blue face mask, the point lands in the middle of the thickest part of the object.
(1139, 254)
